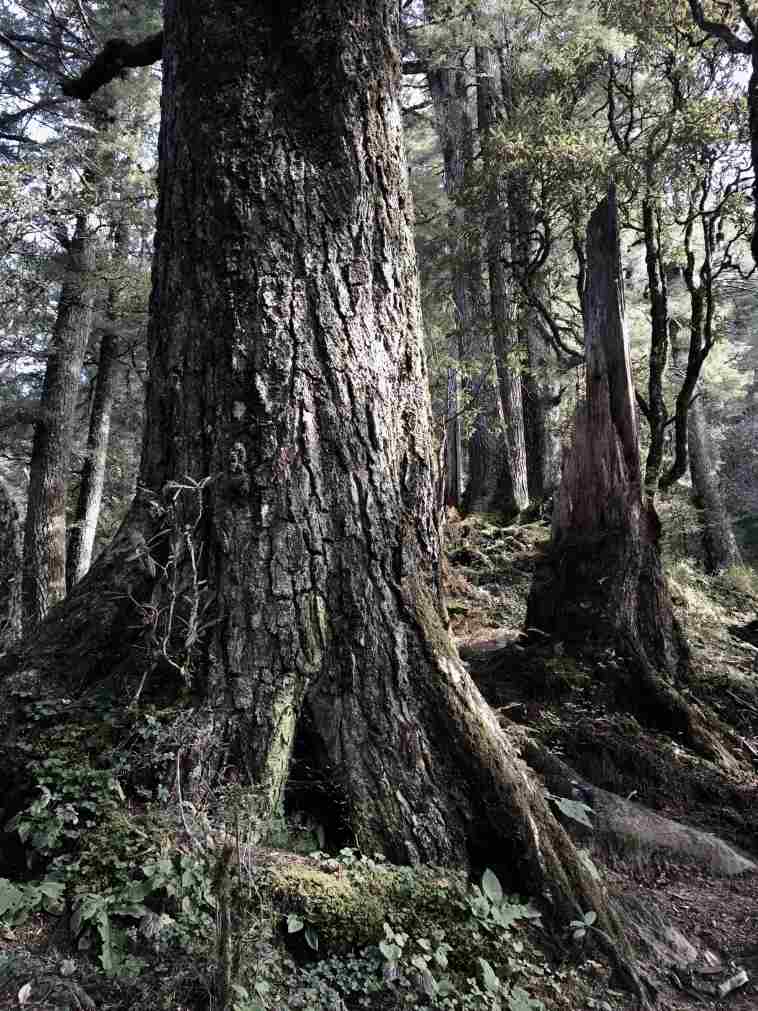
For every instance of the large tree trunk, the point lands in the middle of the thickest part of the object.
(505, 338)
(44, 569)
(602, 587)
(82, 532)
(10, 569)
(280, 556)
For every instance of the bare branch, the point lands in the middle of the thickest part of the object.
(22, 53)
(116, 57)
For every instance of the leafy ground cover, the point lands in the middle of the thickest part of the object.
(117, 896)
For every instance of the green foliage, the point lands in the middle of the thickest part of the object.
(420, 968)
(72, 799)
(111, 868)
(579, 927)
(575, 809)
(257, 1001)
(18, 901)
(295, 924)
(493, 910)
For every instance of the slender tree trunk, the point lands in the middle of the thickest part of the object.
(720, 545)
(603, 585)
(504, 329)
(702, 303)
(281, 555)
(82, 532)
(489, 481)
(541, 398)
(450, 95)
(540, 394)
(10, 569)
(44, 569)
(453, 441)
(752, 106)
(658, 295)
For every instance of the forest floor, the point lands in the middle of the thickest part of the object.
(693, 929)
(560, 702)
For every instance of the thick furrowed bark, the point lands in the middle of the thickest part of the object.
(432, 777)
(287, 526)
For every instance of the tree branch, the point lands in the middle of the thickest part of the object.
(719, 31)
(111, 63)
(22, 53)
(746, 14)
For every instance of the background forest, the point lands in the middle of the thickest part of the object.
(514, 118)
(515, 115)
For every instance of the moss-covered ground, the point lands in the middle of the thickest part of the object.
(116, 896)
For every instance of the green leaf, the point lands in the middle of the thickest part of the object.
(480, 906)
(590, 917)
(138, 890)
(492, 887)
(519, 1000)
(440, 955)
(52, 890)
(134, 909)
(390, 951)
(428, 982)
(311, 937)
(491, 982)
(294, 923)
(11, 897)
(575, 809)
